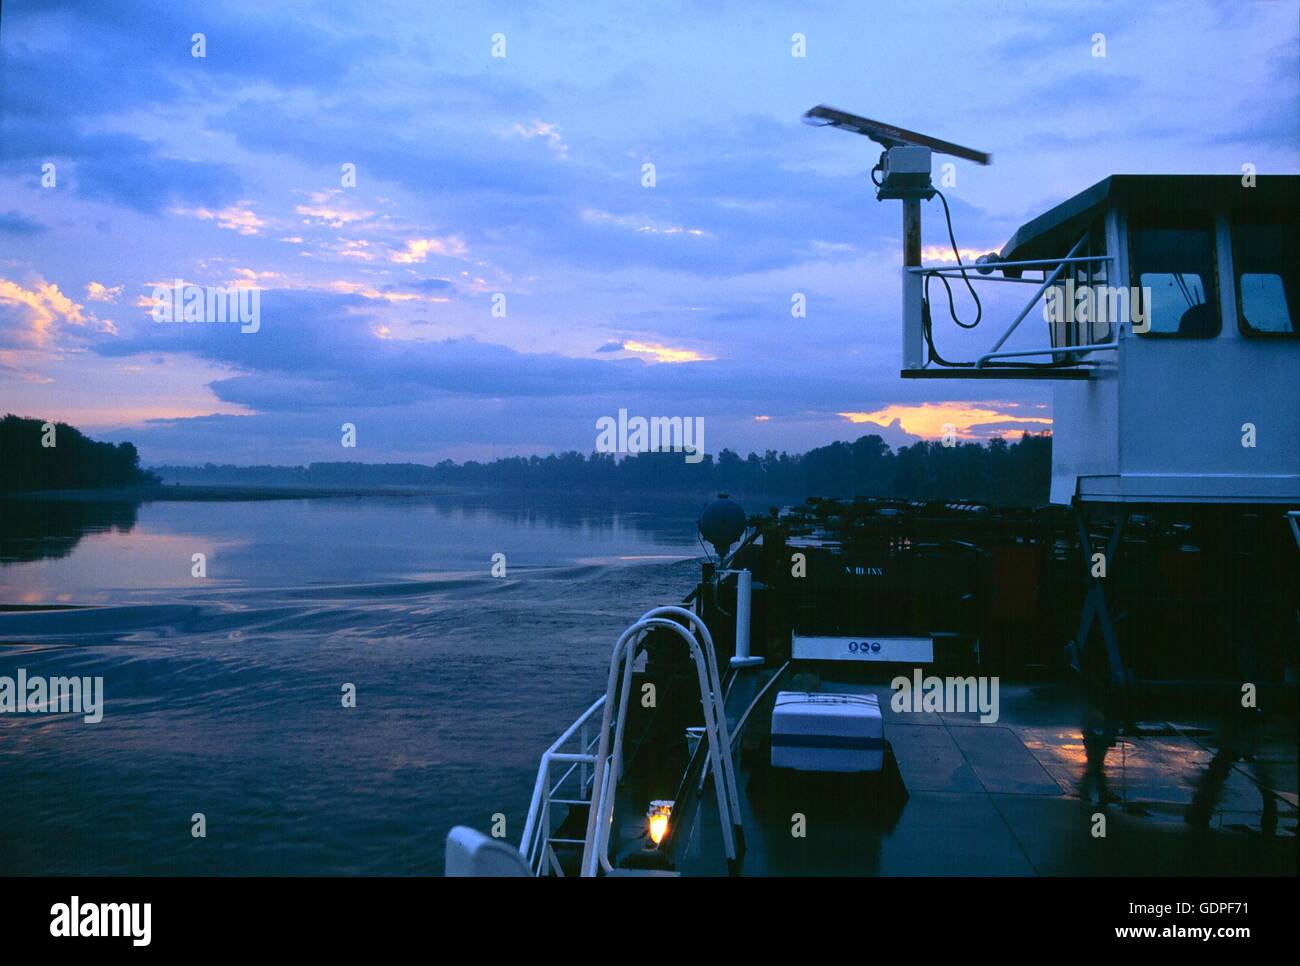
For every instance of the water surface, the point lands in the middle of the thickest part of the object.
(223, 693)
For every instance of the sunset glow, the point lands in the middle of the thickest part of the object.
(663, 353)
(928, 420)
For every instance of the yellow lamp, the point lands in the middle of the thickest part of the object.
(657, 818)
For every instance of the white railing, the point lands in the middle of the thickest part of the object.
(609, 756)
(573, 749)
(591, 752)
(981, 273)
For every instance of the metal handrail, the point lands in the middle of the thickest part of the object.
(1048, 282)
(977, 273)
(535, 843)
(597, 790)
(609, 760)
(956, 271)
(1095, 347)
(720, 710)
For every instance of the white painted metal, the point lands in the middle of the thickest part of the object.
(905, 169)
(1073, 350)
(912, 319)
(609, 756)
(535, 845)
(903, 650)
(744, 599)
(1048, 282)
(1085, 414)
(973, 270)
(609, 765)
(724, 730)
(1166, 425)
(471, 853)
(913, 334)
(1161, 419)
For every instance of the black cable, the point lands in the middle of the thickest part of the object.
(929, 337)
(926, 321)
(952, 310)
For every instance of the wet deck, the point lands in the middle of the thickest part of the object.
(1005, 799)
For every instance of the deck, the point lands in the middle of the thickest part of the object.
(1005, 799)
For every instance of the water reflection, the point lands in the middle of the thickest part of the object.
(49, 529)
(87, 551)
(226, 689)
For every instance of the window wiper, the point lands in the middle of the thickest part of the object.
(1191, 296)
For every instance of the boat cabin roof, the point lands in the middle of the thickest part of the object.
(1054, 231)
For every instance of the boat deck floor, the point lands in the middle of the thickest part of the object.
(1005, 798)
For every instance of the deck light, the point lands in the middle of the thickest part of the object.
(657, 819)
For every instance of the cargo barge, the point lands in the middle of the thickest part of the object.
(1103, 685)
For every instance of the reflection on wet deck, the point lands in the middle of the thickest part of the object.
(1005, 799)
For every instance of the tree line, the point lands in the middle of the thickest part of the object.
(1000, 472)
(36, 455)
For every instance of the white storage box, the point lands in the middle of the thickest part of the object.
(827, 732)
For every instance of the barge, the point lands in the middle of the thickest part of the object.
(1102, 685)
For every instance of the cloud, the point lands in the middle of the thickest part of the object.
(944, 253)
(337, 353)
(238, 217)
(68, 67)
(15, 223)
(29, 316)
(116, 168)
(331, 209)
(1085, 88)
(98, 292)
(418, 250)
(138, 52)
(968, 420)
(550, 133)
(726, 198)
(441, 285)
(318, 348)
(662, 353)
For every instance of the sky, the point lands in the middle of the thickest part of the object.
(500, 275)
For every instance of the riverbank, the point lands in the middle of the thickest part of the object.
(184, 492)
(181, 492)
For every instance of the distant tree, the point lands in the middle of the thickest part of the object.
(999, 472)
(73, 462)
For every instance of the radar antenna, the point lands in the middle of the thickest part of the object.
(887, 135)
(904, 168)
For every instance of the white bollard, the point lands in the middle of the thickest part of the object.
(744, 592)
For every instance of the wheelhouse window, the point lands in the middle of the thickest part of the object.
(1084, 309)
(1171, 255)
(1266, 262)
